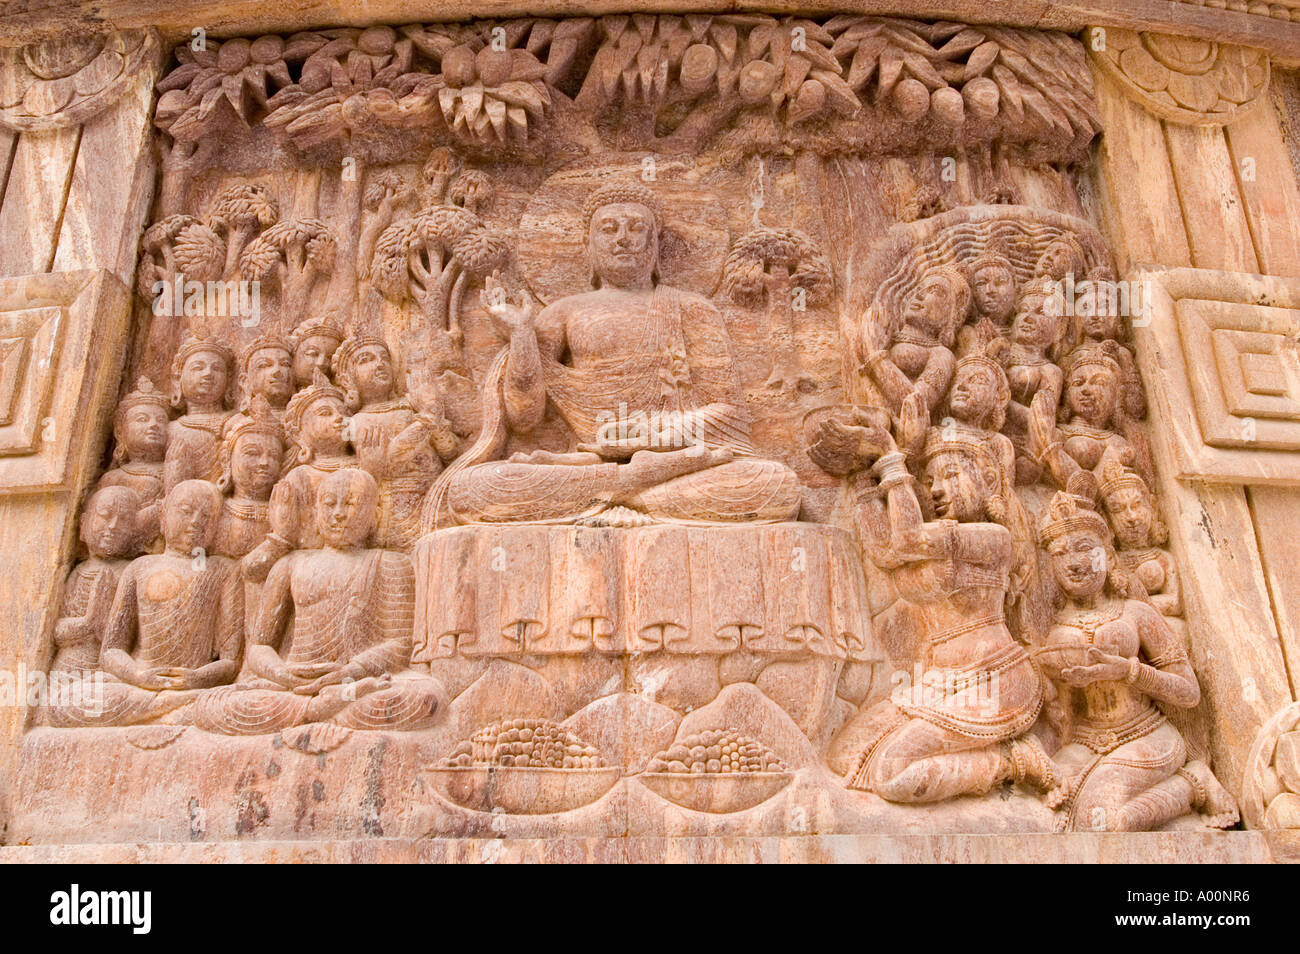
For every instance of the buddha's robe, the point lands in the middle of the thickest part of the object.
(669, 360)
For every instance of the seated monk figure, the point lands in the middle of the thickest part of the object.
(176, 625)
(333, 637)
(642, 375)
(110, 529)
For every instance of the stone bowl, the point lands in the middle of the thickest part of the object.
(715, 792)
(520, 790)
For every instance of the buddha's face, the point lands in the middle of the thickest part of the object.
(372, 373)
(204, 378)
(255, 464)
(994, 290)
(1093, 394)
(313, 352)
(190, 516)
(932, 308)
(144, 432)
(974, 393)
(270, 374)
(956, 488)
(323, 425)
(108, 524)
(1079, 563)
(1035, 327)
(624, 244)
(1131, 515)
(345, 509)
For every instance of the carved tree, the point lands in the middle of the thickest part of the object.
(429, 257)
(298, 253)
(237, 214)
(783, 267)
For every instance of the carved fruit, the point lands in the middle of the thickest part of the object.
(458, 66)
(757, 80)
(699, 64)
(947, 104)
(911, 99)
(811, 98)
(266, 49)
(377, 40)
(493, 66)
(981, 96)
(234, 55)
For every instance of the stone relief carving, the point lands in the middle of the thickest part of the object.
(634, 417)
(1237, 335)
(65, 81)
(49, 368)
(1272, 794)
(1190, 81)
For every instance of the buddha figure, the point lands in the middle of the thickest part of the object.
(1119, 663)
(202, 388)
(315, 423)
(919, 359)
(1095, 423)
(314, 343)
(176, 624)
(333, 638)
(642, 375)
(252, 458)
(964, 730)
(402, 446)
(110, 529)
(993, 300)
(1140, 535)
(1031, 370)
(139, 448)
(265, 369)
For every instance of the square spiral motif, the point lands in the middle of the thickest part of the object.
(1222, 351)
(28, 364)
(61, 344)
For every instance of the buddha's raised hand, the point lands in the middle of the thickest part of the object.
(508, 316)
